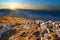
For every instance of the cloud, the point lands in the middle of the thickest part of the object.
(20, 6)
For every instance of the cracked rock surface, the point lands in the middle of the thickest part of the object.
(34, 31)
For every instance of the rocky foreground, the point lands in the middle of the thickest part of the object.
(26, 29)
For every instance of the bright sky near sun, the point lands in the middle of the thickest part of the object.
(27, 3)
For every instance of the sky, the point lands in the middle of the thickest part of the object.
(36, 4)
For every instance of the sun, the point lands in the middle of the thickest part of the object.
(12, 6)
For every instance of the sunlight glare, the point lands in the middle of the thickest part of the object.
(12, 6)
